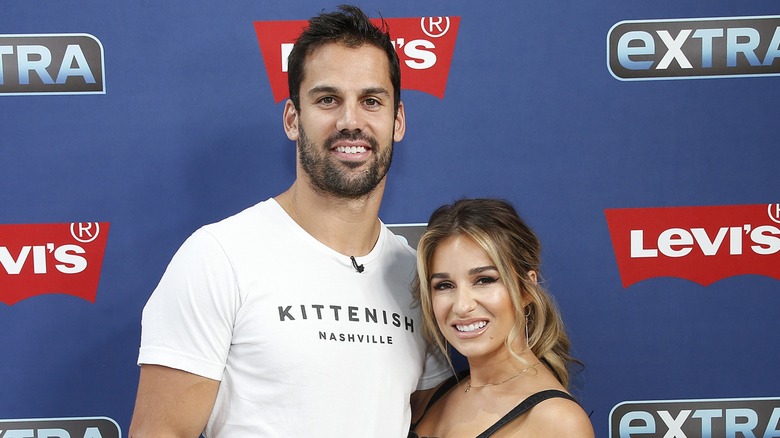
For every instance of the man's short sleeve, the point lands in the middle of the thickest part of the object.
(187, 323)
(437, 369)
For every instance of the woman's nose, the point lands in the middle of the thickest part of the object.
(464, 302)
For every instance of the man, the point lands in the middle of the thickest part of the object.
(295, 317)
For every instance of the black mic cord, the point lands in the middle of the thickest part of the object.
(357, 267)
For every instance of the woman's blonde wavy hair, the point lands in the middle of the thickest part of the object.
(515, 251)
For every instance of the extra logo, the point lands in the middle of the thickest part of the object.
(51, 64)
(701, 244)
(87, 427)
(51, 259)
(695, 48)
(748, 417)
(408, 233)
(424, 45)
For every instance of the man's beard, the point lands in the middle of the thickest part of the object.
(326, 173)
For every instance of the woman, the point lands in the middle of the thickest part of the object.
(478, 266)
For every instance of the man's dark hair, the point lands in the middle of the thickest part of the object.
(351, 27)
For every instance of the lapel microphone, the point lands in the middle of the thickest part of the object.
(355, 265)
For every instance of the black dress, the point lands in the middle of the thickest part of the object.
(517, 411)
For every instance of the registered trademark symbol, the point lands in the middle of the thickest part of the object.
(773, 210)
(85, 232)
(435, 27)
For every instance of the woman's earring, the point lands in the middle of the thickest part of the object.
(527, 316)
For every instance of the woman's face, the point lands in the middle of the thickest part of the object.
(470, 302)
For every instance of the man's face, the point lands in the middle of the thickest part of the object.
(346, 125)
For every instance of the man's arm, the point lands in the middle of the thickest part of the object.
(172, 403)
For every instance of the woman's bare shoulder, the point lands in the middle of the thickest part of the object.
(559, 417)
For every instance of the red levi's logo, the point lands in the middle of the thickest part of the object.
(44, 259)
(701, 244)
(424, 46)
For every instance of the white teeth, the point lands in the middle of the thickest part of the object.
(471, 327)
(351, 149)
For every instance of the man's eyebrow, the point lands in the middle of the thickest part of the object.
(329, 89)
(376, 90)
(322, 89)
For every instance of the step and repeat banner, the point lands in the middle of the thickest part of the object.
(639, 139)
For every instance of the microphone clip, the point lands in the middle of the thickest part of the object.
(359, 268)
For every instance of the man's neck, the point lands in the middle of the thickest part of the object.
(348, 226)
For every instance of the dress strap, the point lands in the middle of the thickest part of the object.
(523, 407)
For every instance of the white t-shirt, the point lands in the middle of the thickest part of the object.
(302, 343)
